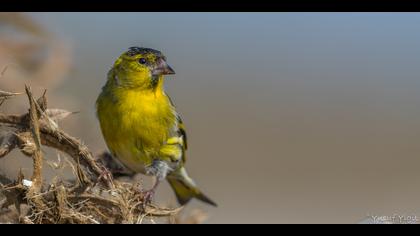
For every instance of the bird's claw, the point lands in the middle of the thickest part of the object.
(106, 176)
(148, 197)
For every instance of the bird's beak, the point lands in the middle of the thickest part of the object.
(162, 68)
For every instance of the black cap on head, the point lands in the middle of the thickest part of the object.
(132, 51)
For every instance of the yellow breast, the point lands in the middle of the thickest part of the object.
(135, 124)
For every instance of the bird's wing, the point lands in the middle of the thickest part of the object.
(181, 130)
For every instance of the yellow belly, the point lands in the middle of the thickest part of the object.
(135, 125)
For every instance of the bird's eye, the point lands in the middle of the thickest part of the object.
(142, 60)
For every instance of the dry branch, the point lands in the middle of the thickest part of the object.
(53, 137)
(34, 113)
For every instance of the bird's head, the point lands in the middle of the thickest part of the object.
(141, 67)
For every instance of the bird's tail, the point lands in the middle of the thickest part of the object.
(185, 189)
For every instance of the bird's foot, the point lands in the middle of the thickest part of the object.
(148, 197)
(105, 176)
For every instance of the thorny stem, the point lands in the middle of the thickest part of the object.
(60, 140)
(37, 155)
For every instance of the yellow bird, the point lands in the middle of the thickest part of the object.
(140, 124)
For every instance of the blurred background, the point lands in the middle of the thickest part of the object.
(291, 117)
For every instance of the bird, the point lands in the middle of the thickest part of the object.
(141, 126)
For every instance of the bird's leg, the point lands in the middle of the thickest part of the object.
(160, 170)
(150, 194)
(114, 167)
(105, 175)
(169, 158)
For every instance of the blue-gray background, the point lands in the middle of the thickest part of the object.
(291, 117)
